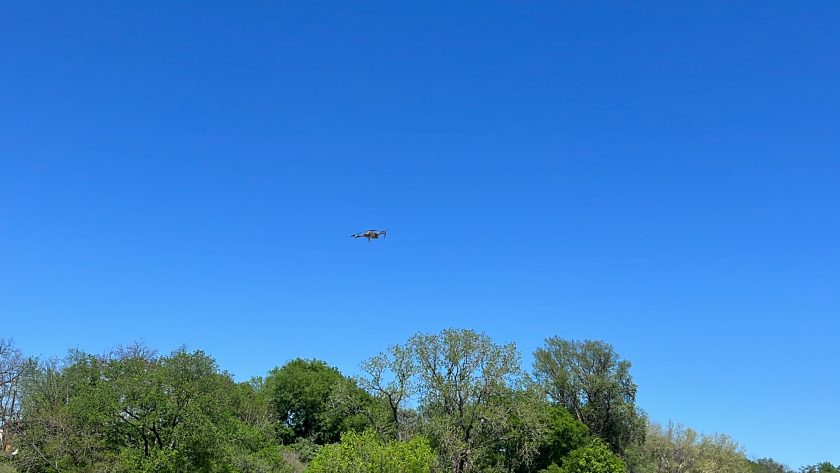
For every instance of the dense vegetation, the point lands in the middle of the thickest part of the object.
(449, 402)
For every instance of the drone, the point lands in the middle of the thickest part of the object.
(370, 234)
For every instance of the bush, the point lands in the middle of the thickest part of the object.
(365, 453)
(595, 457)
(306, 449)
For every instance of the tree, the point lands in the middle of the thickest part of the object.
(565, 434)
(470, 397)
(590, 380)
(824, 467)
(768, 465)
(594, 457)
(677, 449)
(132, 411)
(13, 366)
(366, 453)
(529, 433)
(300, 393)
(720, 453)
(52, 436)
(389, 377)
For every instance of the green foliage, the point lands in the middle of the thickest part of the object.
(521, 435)
(136, 412)
(590, 380)
(305, 449)
(824, 467)
(267, 460)
(768, 465)
(594, 457)
(470, 402)
(14, 367)
(366, 453)
(449, 402)
(390, 380)
(361, 409)
(678, 449)
(300, 393)
(564, 435)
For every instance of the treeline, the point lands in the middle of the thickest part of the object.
(454, 402)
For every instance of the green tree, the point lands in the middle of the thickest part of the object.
(471, 399)
(768, 465)
(564, 435)
(524, 433)
(389, 378)
(366, 453)
(590, 380)
(677, 449)
(824, 467)
(53, 436)
(300, 393)
(360, 410)
(594, 457)
(720, 453)
(13, 368)
(132, 411)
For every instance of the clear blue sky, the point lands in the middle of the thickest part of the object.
(664, 176)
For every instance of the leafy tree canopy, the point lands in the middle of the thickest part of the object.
(565, 434)
(768, 465)
(590, 380)
(300, 393)
(469, 398)
(132, 411)
(824, 467)
(674, 448)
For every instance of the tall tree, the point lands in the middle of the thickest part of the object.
(13, 366)
(132, 411)
(468, 396)
(389, 376)
(300, 393)
(590, 380)
(528, 436)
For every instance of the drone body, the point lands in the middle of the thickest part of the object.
(370, 234)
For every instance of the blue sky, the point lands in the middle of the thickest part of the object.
(660, 175)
